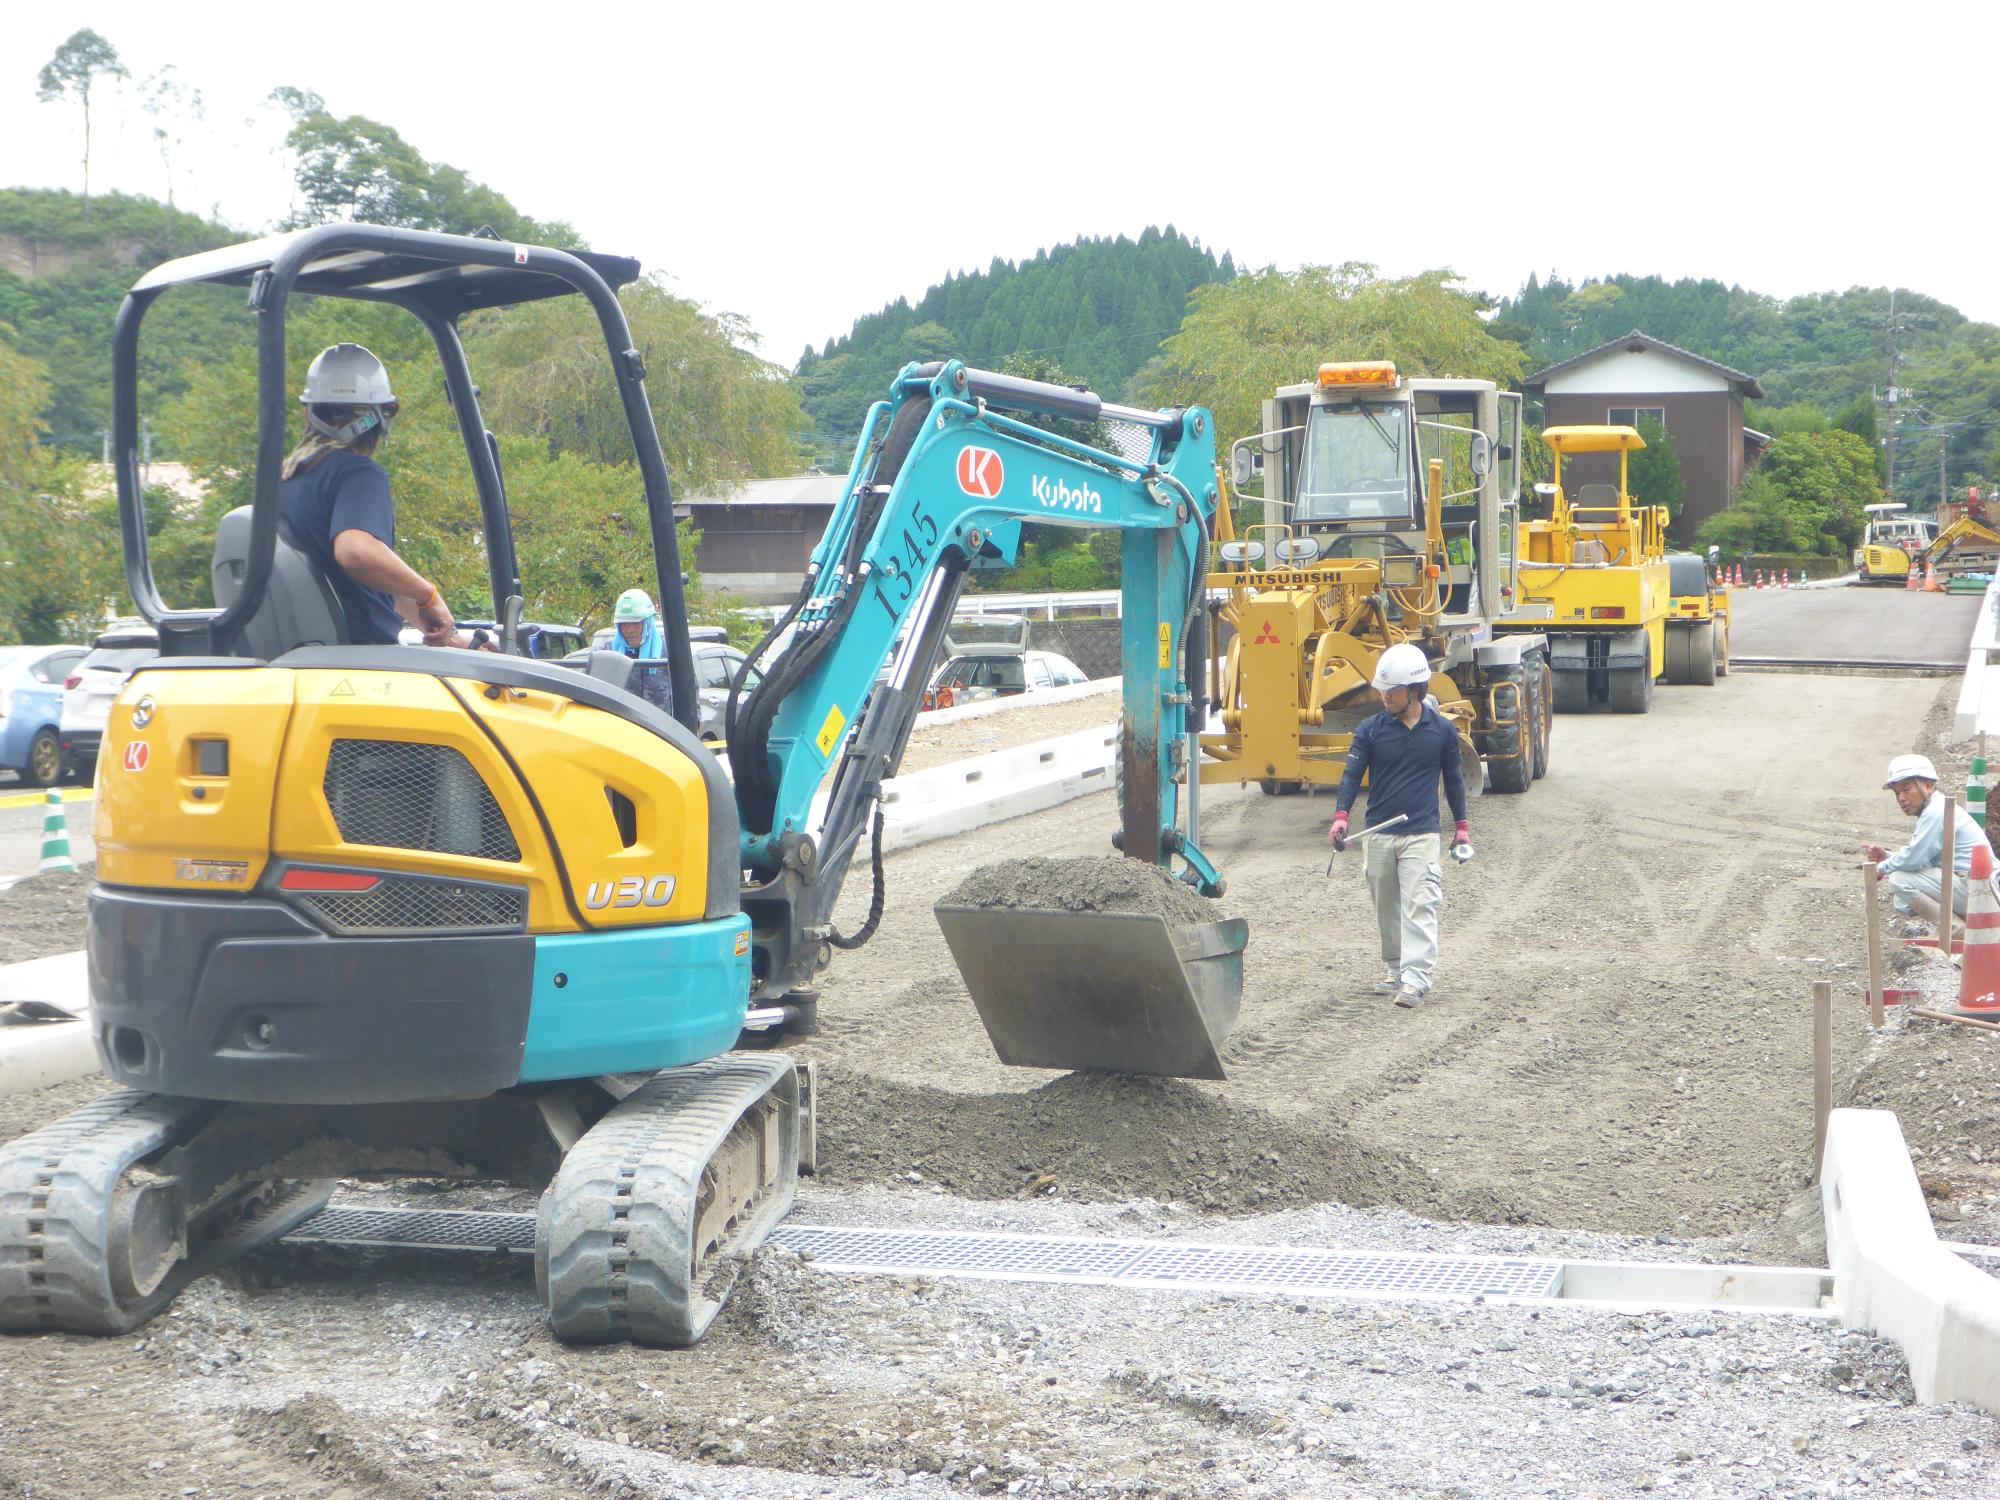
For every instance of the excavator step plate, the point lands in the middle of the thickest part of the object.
(1107, 992)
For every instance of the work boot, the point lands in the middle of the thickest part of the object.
(1389, 983)
(1410, 997)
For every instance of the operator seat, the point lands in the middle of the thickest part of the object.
(299, 607)
(1598, 495)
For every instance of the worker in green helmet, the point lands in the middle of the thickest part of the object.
(638, 626)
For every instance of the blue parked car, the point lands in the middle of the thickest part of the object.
(31, 696)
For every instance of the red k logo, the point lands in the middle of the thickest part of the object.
(980, 473)
(1267, 636)
(137, 753)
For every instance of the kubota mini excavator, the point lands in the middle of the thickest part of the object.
(359, 906)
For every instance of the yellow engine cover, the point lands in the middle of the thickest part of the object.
(208, 775)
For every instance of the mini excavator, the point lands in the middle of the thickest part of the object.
(359, 908)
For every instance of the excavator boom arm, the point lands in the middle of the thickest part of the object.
(946, 471)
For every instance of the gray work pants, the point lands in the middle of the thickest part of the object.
(1928, 884)
(1408, 888)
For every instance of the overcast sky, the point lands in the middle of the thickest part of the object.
(802, 165)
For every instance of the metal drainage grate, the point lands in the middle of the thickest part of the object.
(418, 1229)
(1010, 1257)
(1218, 1268)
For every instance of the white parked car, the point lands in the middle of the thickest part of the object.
(90, 689)
(970, 676)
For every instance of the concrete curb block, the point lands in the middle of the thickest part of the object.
(1982, 678)
(1891, 1274)
(62, 979)
(968, 794)
(992, 788)
(46, 1053)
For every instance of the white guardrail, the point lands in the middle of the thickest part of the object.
(1979, 694)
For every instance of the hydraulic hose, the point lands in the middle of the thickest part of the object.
(866, 930)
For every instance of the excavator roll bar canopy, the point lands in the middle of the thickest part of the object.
(438, 278)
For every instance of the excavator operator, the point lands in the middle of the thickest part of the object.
(335, 498)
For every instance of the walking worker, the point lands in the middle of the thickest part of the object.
(1915, 871)
(1403, 751)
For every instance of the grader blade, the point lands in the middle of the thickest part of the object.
(1108, 992)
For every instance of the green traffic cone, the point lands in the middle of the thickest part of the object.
(1975, 791)
(55, 837)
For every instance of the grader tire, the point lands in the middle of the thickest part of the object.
(1510, 747)
(1541, 692)
(1701, 654)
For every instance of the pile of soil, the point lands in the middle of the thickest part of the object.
(1107, 1137)
(44, 914)
(1112, 884)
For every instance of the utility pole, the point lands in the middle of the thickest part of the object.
(1942, 442)
(1895, 370)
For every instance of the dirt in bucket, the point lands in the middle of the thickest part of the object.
(1113, 884)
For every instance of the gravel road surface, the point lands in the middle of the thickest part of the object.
(1618, 1065)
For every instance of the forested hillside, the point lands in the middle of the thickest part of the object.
(66, 260)
(63, 272)
(1098, 308)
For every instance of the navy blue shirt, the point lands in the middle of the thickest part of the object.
(1403, 766)
(345, 492)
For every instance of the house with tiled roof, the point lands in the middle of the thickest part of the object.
(1698, 401)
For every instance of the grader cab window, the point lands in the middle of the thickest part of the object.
(1357, 463)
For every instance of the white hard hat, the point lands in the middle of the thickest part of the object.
(347, 375)
(1908, 767)
(1402, 666)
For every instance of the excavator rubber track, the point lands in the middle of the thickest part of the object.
(642, 1233)
(93, 1236)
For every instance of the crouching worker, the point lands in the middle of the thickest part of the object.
(1404, 751)
(1915, 871)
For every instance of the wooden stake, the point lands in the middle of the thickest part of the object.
(1941, 1015)
(1947, 867)
(1822, 1068)
(1869, 876)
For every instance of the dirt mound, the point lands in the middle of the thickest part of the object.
(44, 914)
(1109, 1137)
(1094, 885)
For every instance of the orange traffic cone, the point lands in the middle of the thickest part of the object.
(1739, 576)
(1785, 579)
(1911, 583)
(1931, 585)
(1979, 955)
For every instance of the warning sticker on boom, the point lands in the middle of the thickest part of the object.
(829, 732)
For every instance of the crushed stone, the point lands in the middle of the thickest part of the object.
(45, 914)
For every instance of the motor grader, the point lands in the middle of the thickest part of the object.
(1390, 515)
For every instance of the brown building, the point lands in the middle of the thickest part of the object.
(756, 542)
(1698, 401)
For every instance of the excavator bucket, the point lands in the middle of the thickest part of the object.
(1108, 992)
